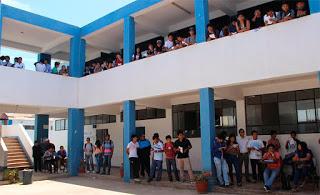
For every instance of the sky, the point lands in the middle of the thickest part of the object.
(75, 12)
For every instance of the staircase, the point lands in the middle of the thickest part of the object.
(17, 158)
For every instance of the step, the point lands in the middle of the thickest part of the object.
(10, 154)
(17, 160)
(12, 143)
(14, 147)
(18, 164)
(15, 150)
(19, 167)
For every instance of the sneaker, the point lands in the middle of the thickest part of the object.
(137, 180)
(227, 186)
(267, 188)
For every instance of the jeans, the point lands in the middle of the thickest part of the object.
(222, 170)
(89, 162)
(172, 163)
(185, 163)
(269, 176)
(255, 163)
(107, 163)
(134, 165)
(145, 165)
(233, 160)
(244, 158)
(98, 161)
(156, 167)
(300, 174)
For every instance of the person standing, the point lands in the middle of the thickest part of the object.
(108, 148)
(274, 141)
(182, 148)
(98, 154)
(37, 154)
(157, 159)
(243, 140)
(220, 162)
(255, 147)
(88, 151)
(132, 151)
(48, 66)
(40, 66)
(144, 155)
(55, 68)
(231, 154)
(171, 159)
(19, 63)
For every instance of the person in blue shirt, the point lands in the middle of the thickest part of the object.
(62, 158)
(220, 162)
(108, 148)
(144, 155)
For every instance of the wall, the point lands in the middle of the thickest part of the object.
(3, 153)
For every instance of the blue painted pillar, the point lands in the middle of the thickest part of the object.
(201, 12)
(129, 37)
(77, 57)
(208, 131)
(129, 128)
(0, 26)
(75, 139)
(314, 6)
(41, 127)
(44, 56)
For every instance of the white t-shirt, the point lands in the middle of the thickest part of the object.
(257, 144)
(41, 67)
(17, 65)
(133, 148)
(243, 144)
(269, 19)
(158, 151)
(168, 44)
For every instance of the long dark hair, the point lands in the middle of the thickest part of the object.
(229, 140)
(98, 143)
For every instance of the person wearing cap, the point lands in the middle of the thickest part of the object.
(159, 48)
(88, 151)
(192, 38)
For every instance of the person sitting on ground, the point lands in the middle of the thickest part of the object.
(159, 48)
(169, 44)
(137, 55)
(274, 141)
(220, 162)
(301, 9)
(232, 157)
(63, 71)
(212, 33)
(55, 68)
(151, 50)
(98, 154)
(157, 159)
(40, 66)
(270, 18)
(132, 151)
(255, 147)
(37, 156)
(19, 63)
(144, 155)
(286, 13)
(171, 159)
(119, 60)
(257, 20)
(304, 163)
(192, 37)
(272, 159)
(48, 158)
(242, 24)
(62, 158)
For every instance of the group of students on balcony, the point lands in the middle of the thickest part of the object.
(5, 61)
(44, 66)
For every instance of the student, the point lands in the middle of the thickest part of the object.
(242, 24)
(6, 61)
(169, 44)
(88, 151)
(63, 71)
(98, 68)
(151, 50)
(48, 66)
(272, 159)
(55, 68)
(40, 66)
(301, 9)
(19, 63)
(243, 140)
(286, 13)
(37, 154)
(159, 48)
(233, 27)
(119, 60)
(231, 155)
(132, 151)
(270, 18)
(274, 141)
(257, 20)
(48, 158)
(255, 147)
(61, 158)
(144, 155)
(180, 43)
(171, 159)
(220, 162)
(98, 154)
(137, 55)
(212, 33)
(2, 58)
(224, 32)
(192, 37)
(108, 148)
(182, 147)
(157, 159)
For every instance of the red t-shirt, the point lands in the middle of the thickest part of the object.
(169, 150)
(276, 157)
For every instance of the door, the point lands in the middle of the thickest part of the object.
(140, 131)
(101, 134)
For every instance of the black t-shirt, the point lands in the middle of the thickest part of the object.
(257, 23)
(185, 144)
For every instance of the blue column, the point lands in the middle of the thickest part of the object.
(208, 131)
(41, 127)
(75, 139)
(202, 19)
(129, 37)
(129, 128)
(0, 26)
(314, 6)
(44, 56)
(77, 56)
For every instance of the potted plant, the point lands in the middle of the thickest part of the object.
(13, 176)
(202, 183)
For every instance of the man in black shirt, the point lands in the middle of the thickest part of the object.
(257, 20)
(37, 154)
(182, 147)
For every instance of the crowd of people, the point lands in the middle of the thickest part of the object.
(5, 61)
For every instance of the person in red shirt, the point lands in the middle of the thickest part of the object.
(119, 60)
(171, 158)
(274, 141)
(272, 159)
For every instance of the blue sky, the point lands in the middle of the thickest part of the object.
(76, 12)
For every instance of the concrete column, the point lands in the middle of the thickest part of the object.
(41, 127)
(77, 57)
(241, 114)
(75, 139)
(314, 6)
(44, 56)
(202, 19)
(128, 39)
(129, 128)
(208, 131)
(0, 25)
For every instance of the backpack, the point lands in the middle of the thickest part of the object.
(85, 145)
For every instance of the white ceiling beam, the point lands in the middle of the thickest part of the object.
(47, 48)
(149, 26)
(20, 46)
(229, 7)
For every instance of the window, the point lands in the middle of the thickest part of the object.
(28, 127)
(61, 125)
(100, 119)
(148, 114)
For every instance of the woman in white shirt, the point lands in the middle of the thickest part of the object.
(270, 18)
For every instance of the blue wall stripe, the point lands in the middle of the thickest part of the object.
(129, 37)
(129, 128)
(37, 20)
(202, 19)
(75, 139)
(314, 6)
(117, 15)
